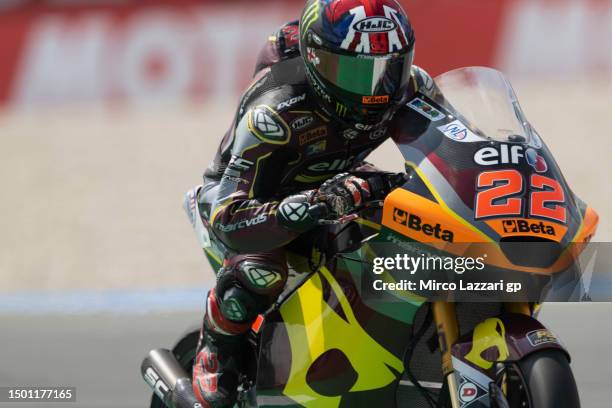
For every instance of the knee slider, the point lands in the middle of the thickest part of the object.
(238, 305)
(266, 279)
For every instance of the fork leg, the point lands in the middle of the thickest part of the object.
(445, 316)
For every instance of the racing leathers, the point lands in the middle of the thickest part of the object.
(281, 147)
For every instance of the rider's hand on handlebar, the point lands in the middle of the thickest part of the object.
(337, 200)
(343, 194)
(300, 212)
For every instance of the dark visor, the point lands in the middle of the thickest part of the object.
(363, 76)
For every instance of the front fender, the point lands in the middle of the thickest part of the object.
(506, 338)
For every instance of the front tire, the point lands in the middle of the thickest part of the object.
(545, 381)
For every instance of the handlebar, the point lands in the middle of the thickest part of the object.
(381, 184)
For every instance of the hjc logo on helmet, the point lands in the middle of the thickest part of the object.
(374, 34)
(375, 25)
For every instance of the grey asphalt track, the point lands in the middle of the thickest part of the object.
(100, 354)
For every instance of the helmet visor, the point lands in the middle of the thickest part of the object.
(367, 79)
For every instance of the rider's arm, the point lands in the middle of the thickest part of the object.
(244, 216)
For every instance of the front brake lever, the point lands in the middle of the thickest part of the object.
(352, 217)
(341, 220)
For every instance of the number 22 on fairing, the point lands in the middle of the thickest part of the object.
(499, 195)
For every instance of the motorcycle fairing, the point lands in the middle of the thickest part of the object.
(506, 338)
(327, 348)
(443, 188)
(450, 155)
(455, 234)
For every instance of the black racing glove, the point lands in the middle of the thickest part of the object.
(343, 194)
(300, 212)
(337, 197)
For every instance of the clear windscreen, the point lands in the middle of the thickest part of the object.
(485, 98)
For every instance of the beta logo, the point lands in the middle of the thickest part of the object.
(375, 25)
(525, 226)
(468, 392)
(510, 154)
(375, 100)
(312, 135)
(414, 222)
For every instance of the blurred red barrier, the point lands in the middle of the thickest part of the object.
(177, 50)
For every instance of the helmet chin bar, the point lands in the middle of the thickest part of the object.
(335, 109)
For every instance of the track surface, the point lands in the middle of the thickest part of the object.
(100, 354)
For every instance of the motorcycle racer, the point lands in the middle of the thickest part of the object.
(327, 91)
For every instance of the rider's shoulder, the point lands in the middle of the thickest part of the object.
(267, 115)
(282, 99)
(280, 86)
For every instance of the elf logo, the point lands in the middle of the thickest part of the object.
(416, 223)
(334, 165)
(525, 226)
(510, 154)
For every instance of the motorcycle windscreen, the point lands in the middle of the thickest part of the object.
(470, 150)
(485, 98)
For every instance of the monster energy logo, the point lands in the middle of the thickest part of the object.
(262, 278)
(311, 14)
(341, 109)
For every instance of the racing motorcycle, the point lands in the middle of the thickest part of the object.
(477, 175)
